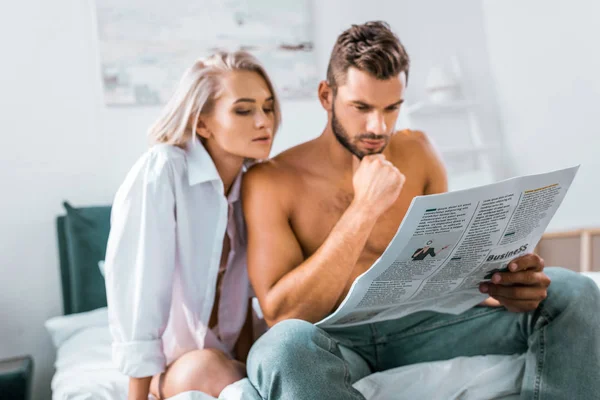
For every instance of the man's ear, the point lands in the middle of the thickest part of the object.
(326, 95)
(202, 130)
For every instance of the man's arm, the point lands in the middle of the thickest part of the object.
(437, 177)
(287, 285)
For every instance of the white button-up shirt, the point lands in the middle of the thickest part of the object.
(168, 222)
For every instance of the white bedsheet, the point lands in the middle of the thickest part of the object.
(84, 370)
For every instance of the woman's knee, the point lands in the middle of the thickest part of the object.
(207, 370)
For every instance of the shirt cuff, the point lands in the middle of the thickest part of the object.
(139, 359)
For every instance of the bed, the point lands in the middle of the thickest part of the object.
(84, 369)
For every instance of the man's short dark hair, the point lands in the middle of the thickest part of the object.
(371, 47)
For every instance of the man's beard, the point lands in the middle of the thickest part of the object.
(344, 139)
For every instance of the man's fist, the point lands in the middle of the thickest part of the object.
(377, 183)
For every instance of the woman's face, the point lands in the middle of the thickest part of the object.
(241, 121)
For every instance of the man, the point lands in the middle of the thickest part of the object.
(321, 213)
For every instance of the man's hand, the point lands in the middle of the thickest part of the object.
(522, 288)
(377, 184)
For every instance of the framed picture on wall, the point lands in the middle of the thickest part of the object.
(146, 45)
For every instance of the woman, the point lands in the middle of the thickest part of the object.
(176, 280)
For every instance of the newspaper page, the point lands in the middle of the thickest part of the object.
(449, 243)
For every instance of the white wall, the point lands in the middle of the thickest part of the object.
(546, 64)
(60, 142)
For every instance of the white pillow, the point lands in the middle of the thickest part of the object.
(63, 327)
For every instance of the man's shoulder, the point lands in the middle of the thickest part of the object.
(413, 151)
(285, 166)
(410, 143)
(276, 176)
(412, 138)
(296, 157)
(264, 172)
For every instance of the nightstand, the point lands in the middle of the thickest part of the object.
(15, 378)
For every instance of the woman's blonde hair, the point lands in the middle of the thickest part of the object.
(196, 94)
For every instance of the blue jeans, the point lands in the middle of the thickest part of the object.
(296, 360)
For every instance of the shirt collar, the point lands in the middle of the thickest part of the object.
(201, 168)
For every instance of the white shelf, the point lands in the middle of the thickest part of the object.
(437, 108)
(475, 150)
(469, 150)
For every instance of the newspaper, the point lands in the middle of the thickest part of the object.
(449, 243)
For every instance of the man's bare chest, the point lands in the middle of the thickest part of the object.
(318, 209)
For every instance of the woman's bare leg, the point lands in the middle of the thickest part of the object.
(207, 370)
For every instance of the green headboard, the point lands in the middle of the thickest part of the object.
(82, 235)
